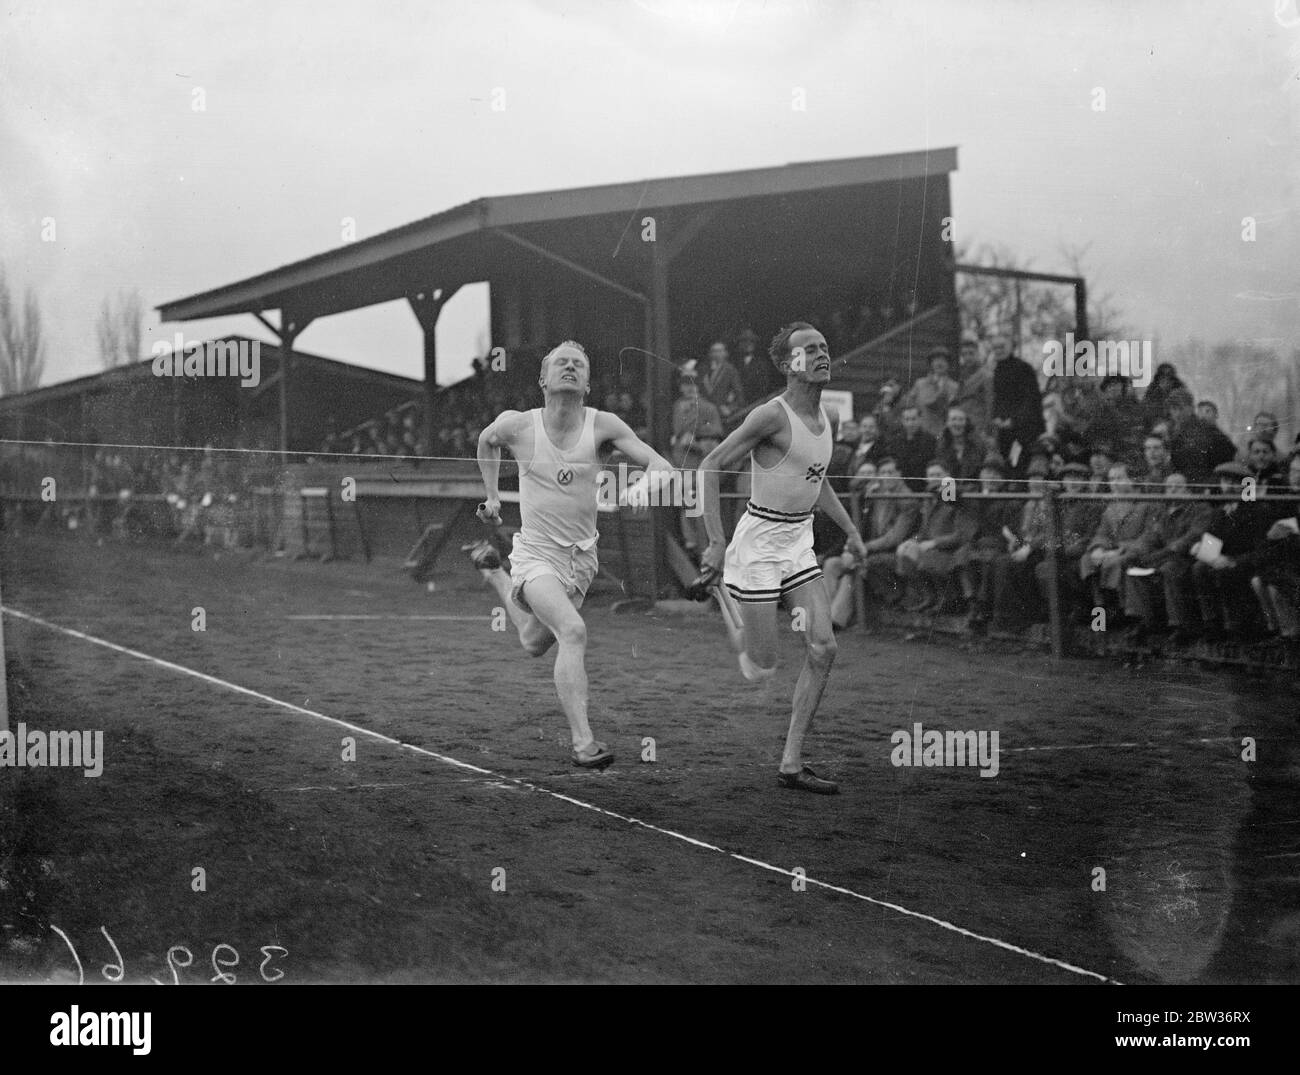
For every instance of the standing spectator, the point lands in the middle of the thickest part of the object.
(1155, 401)
(933, 393)
(1017, 404)
(887, 413)
(719, 381)
(697, 430)
(975, 396)
(758, 376)
(1208, 412)
(960, 449)
(914, 449)
(1196, 446)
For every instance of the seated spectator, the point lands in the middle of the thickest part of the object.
(1222, 581)
(1265, 425)
(975, 396)
(1261, 461)
(1179, 525)
(913, 448)
(933, 393)
(1125, 534)
(870, 447)
(994, 519)
(1100, 460)
(1013, 599)
(1278, 584)
(842, 452)
(1196, 446)
(960, 449)
(886, 524)
(929, 558)
(1155, 454)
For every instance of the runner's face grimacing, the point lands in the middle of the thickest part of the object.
(810, 357)
(567, 371)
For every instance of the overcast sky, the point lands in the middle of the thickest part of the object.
(380, 111)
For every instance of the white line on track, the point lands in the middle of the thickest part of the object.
(1006, 946)
(390, 617)
(1110, 746)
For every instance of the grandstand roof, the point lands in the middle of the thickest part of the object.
(397, 263)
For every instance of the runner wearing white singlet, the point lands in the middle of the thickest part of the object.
(770, 559)
(553, 559)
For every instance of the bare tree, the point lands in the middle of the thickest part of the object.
(22, 345)
(119, 329)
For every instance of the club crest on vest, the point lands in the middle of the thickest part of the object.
(564, 475)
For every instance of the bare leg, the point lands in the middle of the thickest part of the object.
(838, 573)
(533, 634)
(819, 640)
(559, 616)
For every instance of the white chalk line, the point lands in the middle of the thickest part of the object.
(359, 616)
(1006, 946)
(1116, 746)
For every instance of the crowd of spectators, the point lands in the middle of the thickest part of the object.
(1175, 570)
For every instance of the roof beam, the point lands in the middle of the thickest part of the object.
(573, 266)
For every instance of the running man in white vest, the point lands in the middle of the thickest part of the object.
(554, 556)
(770, 559)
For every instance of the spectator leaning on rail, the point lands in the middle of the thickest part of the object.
(1124, 535)
(975, 396)
(1222, 581)
(1178, 525)
(1017, 404)
(933, 393)
(930, 556)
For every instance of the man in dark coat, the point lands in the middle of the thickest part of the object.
(1017, 405)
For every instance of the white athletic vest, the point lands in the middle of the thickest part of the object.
(792, 486)
(557, 490)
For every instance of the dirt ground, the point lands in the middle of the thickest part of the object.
(382, 869)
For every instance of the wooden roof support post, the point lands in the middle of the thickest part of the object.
(427, 306)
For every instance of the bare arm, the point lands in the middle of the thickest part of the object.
(500, 434)
(759, 424)
(610, 428)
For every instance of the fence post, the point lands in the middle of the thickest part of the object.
(860, 575)
(1056, 629)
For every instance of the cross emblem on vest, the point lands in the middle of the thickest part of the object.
(815, 472)
(564, 475)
